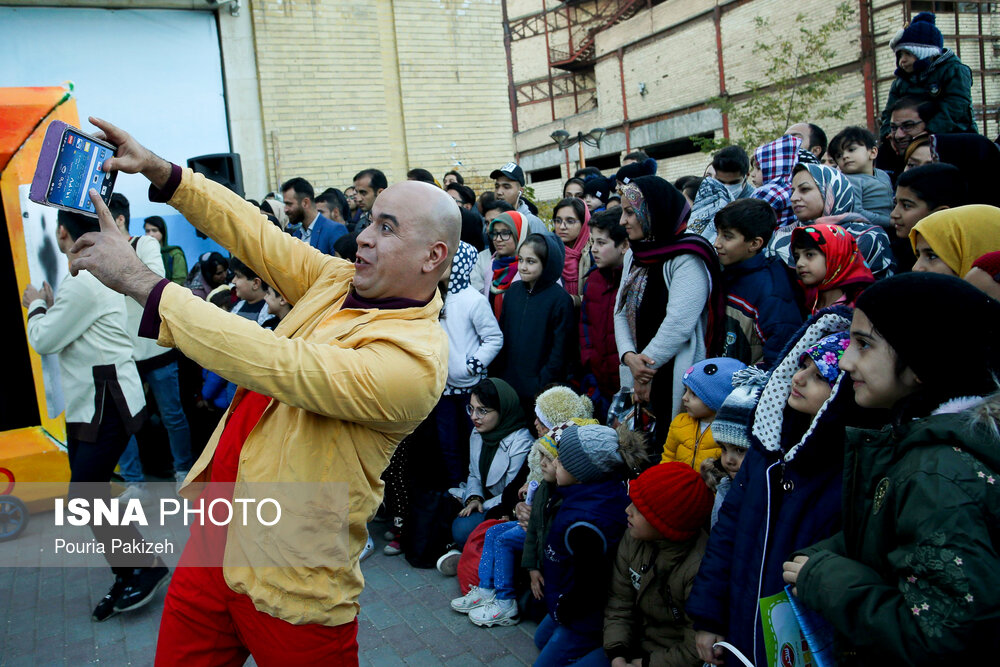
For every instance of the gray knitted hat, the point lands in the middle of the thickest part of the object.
(732, 421)
(590, 453)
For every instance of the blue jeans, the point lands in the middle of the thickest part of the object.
(497, 565)
(463, 526)
(561, 646)
(166, 390)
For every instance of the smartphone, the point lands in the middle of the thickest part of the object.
(69, 165)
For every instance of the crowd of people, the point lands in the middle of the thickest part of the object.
(680, 410)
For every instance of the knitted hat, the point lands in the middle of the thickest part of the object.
(597, 186)
(673, 498)
(634, 170)
(732, 421)
(826, 355)
(921, 38)
(590, 453)
(559, 404)
(990, 263)
(943, 328)
(549, 443)
(711, 380)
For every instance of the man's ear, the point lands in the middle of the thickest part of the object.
(437, 255)
(815, 150)
(756, 243)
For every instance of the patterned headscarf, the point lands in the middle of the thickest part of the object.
(845, 266)
(826, 355)
(776, 161)
(461, 268)
(836, 189)
(634, 197)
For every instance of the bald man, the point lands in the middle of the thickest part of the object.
(323, 400)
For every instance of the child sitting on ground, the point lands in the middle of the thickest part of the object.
(731, 429)
(658, 558)
(855, 149)
(492, 601)
(761, 309)
(830, 267)
(582, 541)
(706, 385)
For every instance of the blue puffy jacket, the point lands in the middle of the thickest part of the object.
(786, 496)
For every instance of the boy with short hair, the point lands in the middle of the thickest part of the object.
(598, 349)
(761, 308)
(919, 192)
(732, 165)
(250, 290)
(855, 149)
(277, 307)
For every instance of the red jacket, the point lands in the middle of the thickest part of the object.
(598, 350)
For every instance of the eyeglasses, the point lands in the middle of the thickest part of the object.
(564, 222)
(477, 412)
(503, 235)
(906, 126)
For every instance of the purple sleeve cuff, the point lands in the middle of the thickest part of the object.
(149, 325)
(163, 195)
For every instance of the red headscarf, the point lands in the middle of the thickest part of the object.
(844, 264)
(571, 266)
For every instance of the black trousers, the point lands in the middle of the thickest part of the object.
(90, 466)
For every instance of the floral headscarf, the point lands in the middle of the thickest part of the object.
(826, 354)
(634, 197)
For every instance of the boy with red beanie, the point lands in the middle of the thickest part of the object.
(644, 621)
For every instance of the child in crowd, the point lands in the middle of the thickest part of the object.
(985, 274)
(277, 307)
(950, 241)
(830, 268)
(912, 577)
(492, 601)
(598, 349)
(596, 192)
(761, 310)
(731, 430)
(571, 222)
(929, 72)
(582, 542)
(920, 192)
(346, 247)
(786, 495)
(706, 385)
(773, 164)
(507, 231)
(855, 149)
(729, 183)
(250, 291)
(216, 391)
(537, 321)
(644, 621)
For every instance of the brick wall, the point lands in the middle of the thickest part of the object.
(394, 84)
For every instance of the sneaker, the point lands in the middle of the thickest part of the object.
(448, 563)
(368, 550)
(496, 612)
(142, 586)
(389, 535)
(474, 599)
(135, 490)
(392, 549)
(105, 609)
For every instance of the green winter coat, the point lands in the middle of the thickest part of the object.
(644, 617)
(944, 80)
(914, 576)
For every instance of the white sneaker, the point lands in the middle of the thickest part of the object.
(135, 490)
(495, 612)
(448, 563)
(368, 550)
(475, 598)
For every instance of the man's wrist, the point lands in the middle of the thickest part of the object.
(140, 287)
(157, 171)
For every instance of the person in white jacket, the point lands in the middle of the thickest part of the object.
(84, 323)
(474, 340)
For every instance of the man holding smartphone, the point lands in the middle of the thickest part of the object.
(356, 365)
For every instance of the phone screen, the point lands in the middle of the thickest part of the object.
(77, 169)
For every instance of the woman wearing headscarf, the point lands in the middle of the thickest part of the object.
(712, 197)
(775, 161)
(570, 221)
(822, 195)
(949, 241)
(507, 231)
(277, 209)
(498, 447)
(174, 261)
(211, 271)
(668, 304)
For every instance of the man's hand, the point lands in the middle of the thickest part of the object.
(31, 294)
(108, 256)
(791, 570)
(47, 294)
(131, 156)
(536, 583)
(705, 642)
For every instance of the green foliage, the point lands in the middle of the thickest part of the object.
(795, 82)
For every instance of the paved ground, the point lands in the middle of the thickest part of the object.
(405, 618)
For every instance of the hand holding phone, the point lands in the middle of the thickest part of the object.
(70, 164)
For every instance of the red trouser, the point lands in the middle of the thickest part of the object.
(206, 623)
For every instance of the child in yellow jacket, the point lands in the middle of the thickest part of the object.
(707, 384)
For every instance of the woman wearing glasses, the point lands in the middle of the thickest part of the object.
(507, 232)
(498, 447)
(570, 222)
